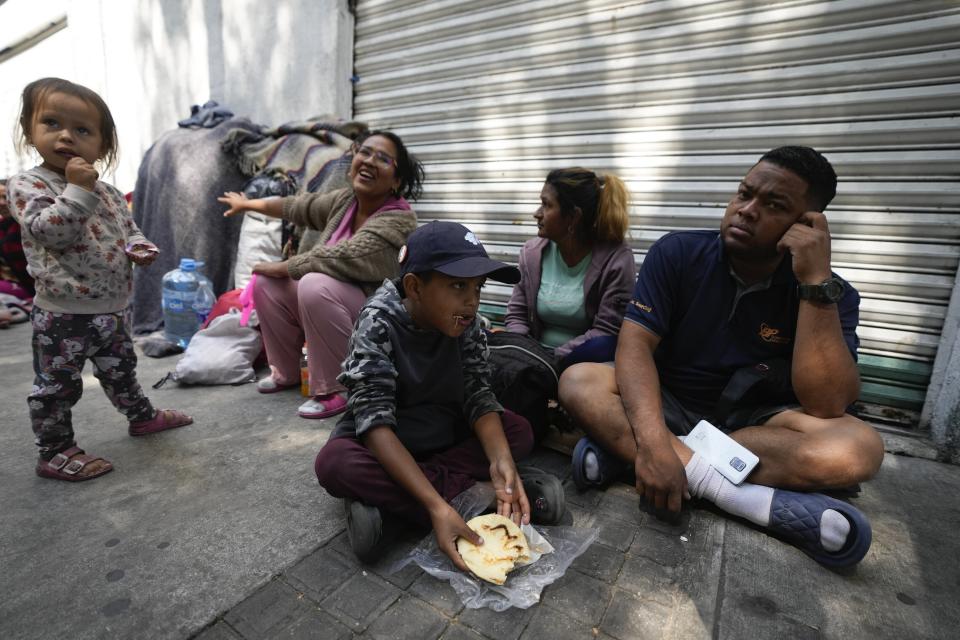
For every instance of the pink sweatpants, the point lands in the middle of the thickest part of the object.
(318, 308)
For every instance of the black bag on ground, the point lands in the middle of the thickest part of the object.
(523, 376)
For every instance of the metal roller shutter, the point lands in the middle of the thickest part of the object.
(679, 98)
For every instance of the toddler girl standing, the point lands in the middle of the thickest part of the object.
(79, 240)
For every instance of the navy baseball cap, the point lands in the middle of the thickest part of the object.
(451, 249)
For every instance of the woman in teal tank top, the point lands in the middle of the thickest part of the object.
(577, 275)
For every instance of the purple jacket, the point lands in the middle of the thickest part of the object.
(607, 287)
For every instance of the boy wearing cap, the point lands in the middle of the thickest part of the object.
(422, 424)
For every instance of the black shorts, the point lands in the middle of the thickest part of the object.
(681, 420)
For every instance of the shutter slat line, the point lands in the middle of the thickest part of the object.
(679, 99)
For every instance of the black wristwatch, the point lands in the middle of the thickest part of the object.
(829, 291)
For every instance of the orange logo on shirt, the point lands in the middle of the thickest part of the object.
(641, 306)
(769, 334)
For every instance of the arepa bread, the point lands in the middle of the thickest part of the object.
(504, 547)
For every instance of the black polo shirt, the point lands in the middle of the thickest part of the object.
(710, 325)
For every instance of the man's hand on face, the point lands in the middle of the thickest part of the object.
(808, 242)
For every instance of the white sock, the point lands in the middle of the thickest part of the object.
(591, 468)
(752, 501)
(834, 529)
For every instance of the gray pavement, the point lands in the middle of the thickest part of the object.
(219, 531)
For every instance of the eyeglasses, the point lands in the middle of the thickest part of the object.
(366, 153)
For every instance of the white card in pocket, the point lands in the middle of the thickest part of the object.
(733, 460)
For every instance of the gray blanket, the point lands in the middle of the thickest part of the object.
(175, 205)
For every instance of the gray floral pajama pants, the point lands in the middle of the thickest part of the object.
(62, 343)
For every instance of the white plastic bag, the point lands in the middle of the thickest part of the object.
(553, 550)
(222, 353)
(259, 242)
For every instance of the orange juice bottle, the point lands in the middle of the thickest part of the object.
(304, 373)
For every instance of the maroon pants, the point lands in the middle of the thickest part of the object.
(347, 469)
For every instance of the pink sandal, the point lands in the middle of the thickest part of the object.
(69, 464)
(163, 420)
(270, 385)
(323, 406)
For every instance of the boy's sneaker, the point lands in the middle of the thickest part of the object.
(364, 529)
(545, 493)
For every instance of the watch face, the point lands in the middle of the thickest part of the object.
(828, 291)
(832, 289)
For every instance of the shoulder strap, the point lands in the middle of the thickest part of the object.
(742, 381)
(506, 347)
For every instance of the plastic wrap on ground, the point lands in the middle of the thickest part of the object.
(524, 584)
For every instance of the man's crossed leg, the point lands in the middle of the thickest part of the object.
(798, 453)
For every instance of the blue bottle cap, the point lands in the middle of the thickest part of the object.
(187, 264)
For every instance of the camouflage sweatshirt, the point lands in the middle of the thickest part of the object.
(74, 242)
(429, 388)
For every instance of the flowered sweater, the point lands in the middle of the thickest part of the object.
(74, 241)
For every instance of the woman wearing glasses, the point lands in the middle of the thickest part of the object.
(317, 294)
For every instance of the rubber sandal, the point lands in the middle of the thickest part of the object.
(610, 467)
(314, 408)
(795, 518)
(164, 419)
(68, 464)
(270, 385)
(547, 500)
(364, 530)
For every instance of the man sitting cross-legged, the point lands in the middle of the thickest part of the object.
(707, 305)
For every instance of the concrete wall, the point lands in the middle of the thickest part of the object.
(941, 411)
(151, 59)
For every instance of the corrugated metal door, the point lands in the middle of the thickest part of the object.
(679, 98)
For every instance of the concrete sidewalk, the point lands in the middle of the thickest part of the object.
(219, 530)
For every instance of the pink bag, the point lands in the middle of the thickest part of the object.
(234, 299)
(246, 301)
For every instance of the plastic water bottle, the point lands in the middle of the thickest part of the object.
(202, 307)
(204, 301)
(179, 292)
(202, 275)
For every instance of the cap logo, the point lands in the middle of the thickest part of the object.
(403, 254)
(472, 239)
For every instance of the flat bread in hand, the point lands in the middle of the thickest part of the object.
(504, 547)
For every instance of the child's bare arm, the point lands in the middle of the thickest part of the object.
(511, 498)
(397, 461)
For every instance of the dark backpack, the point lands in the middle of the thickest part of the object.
(523, 376)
